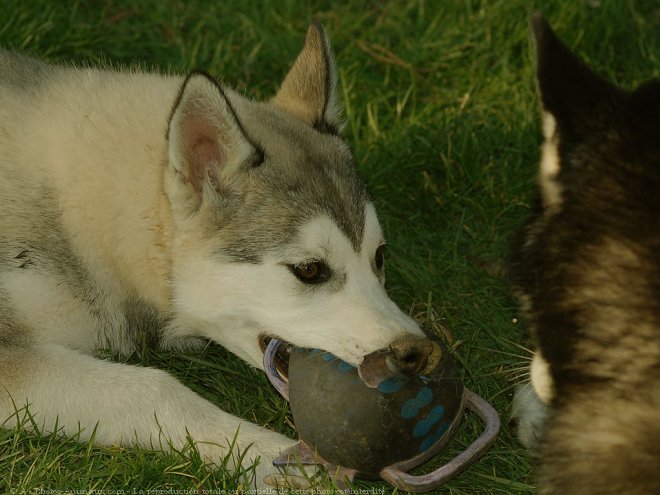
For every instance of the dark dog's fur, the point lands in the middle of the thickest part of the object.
(587, 266)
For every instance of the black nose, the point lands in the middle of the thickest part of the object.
(410, 355)
(407, 355)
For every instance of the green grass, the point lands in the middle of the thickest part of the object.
(442, 115)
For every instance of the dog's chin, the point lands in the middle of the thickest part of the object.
(282, 355)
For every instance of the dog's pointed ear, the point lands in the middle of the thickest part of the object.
(576, 104)
(207, 145)
(569, 89)
(309, 90)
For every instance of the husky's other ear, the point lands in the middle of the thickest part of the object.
(207, 145)
(577, 103)
(309, 90)
(569, 90)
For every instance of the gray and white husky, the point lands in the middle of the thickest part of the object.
(142, 209)
(587, 270)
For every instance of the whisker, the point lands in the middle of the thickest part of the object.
(511, 354)
(519, 346)
(517, 377)
(504, 390)
(524, 367)
(521, 378)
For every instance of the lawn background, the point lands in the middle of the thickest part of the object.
(442, 115)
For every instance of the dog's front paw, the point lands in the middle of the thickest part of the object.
(289, 477)
(529, 414)
(297, 476)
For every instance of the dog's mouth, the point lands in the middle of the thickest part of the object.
(281, 358)
(374, 369)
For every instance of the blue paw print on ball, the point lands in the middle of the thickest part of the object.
(412, 406)
(343, 365)
(429, 441)
(423, 426)
(391, 385)
(327, 357)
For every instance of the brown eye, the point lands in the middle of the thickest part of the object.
(379, 258)
(311, 272)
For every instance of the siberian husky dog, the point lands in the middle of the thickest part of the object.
(138, 209)
(587, 270)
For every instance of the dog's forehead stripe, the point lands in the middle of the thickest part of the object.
(283, 207)
(350, 219)
(323, 235)
(341, 195)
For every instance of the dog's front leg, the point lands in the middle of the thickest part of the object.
(127, 405)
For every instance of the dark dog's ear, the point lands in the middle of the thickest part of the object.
(309, 90)
(577, 104)
(207, 145)
(569, 89)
